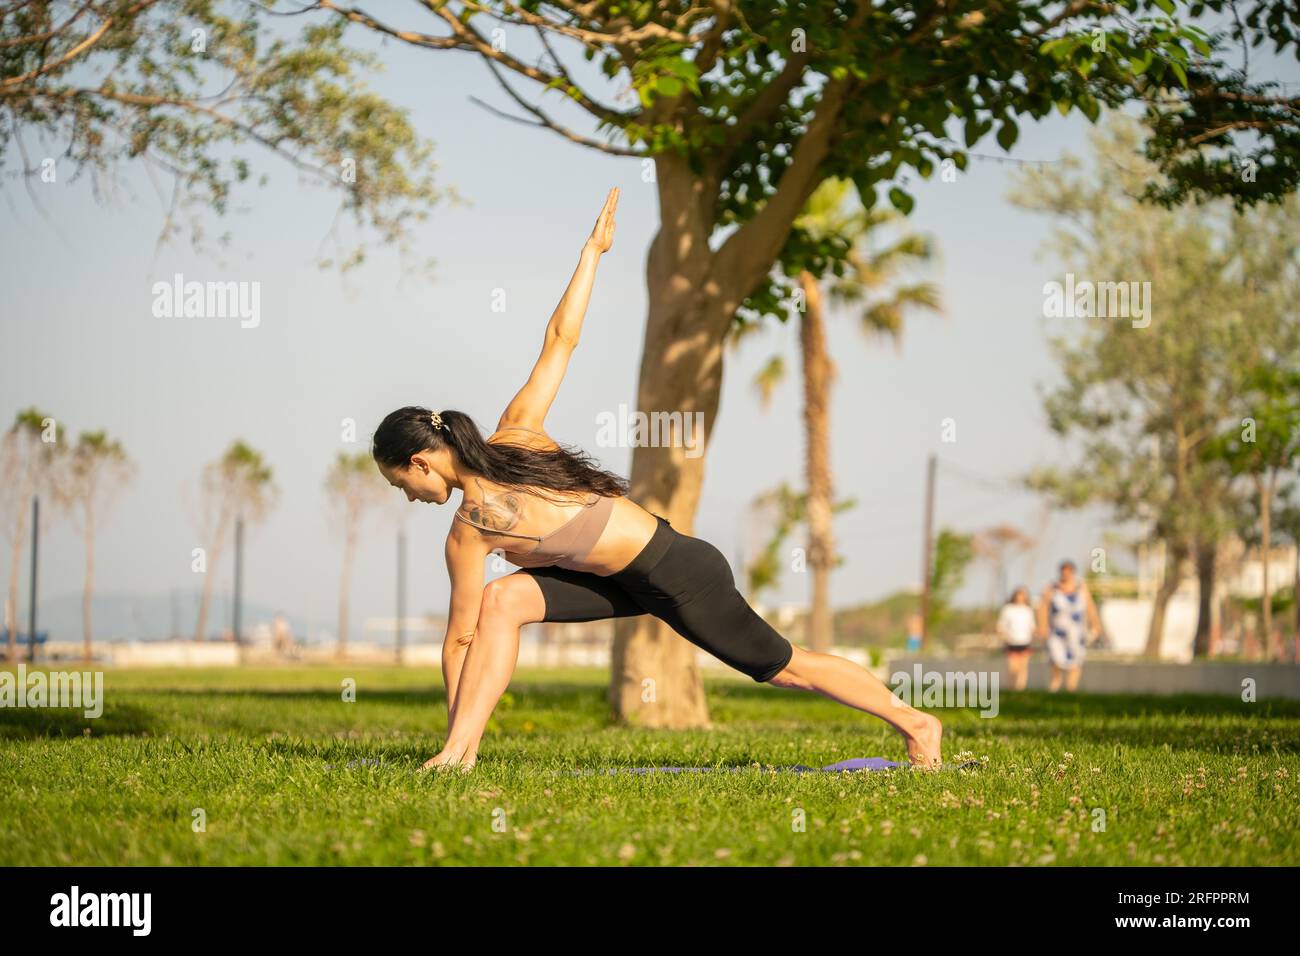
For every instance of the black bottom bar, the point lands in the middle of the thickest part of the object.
(238, 905)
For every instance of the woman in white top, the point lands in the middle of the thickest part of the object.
(1016, 626)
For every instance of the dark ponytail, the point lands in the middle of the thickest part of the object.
(410, 430)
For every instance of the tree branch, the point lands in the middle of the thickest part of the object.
(466, 38)
(748, 253)
(48, 34)
(546, 122)
(762, 108)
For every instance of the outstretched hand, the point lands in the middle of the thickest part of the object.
(602, 234)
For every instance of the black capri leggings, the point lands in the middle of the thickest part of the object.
(683, 581)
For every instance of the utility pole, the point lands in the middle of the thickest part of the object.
(31, 612)
(401, 593)
(927, 555)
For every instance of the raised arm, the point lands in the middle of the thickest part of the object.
(529, 407)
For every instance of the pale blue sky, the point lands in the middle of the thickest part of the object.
(80, 341)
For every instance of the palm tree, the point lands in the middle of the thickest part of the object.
(98, 470)
(28, 453)
(869, 284)
(237, 485)
(353, 486)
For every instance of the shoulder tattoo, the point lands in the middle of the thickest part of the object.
(499, 511)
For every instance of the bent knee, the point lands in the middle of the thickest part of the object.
(515, 597)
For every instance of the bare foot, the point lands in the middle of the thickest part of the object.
(447, 759)
(924, 748)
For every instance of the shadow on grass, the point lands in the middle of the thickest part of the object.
(549, 693)
(26, 723)
(1042, 704)
(1034, 703)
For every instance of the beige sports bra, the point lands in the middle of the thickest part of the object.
(568, 544)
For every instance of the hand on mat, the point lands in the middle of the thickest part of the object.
(602, 234)
(924, 742)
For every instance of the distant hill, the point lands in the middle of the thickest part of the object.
(154, 617)
(883, 623)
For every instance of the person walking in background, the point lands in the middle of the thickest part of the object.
(1067, 617)
(1016, 628)
(282, 638)
(914, 624)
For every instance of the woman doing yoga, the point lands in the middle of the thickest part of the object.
(586, 551)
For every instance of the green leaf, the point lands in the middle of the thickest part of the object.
(901, 200)
(1049, 46)
(1196, 38)
(1007, 134)
(866, 191)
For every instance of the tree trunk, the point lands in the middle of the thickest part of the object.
(345, 579)
(224, 517)
(818, 374)
(1172, 578)
(694, 293)
(1206, 552)
(1295, 607)
(654, 681)
(88, 588)
(205, 599)
(15, 563)
(1265, 537)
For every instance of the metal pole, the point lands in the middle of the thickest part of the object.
(239, 574)
(927, 551)
(31, 613)
(401, 594)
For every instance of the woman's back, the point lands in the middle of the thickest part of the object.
(518, 517)
(561, 534)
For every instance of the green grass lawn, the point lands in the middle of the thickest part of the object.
(286, 772)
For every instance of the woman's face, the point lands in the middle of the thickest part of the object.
(1020, 597)
(420, 480)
